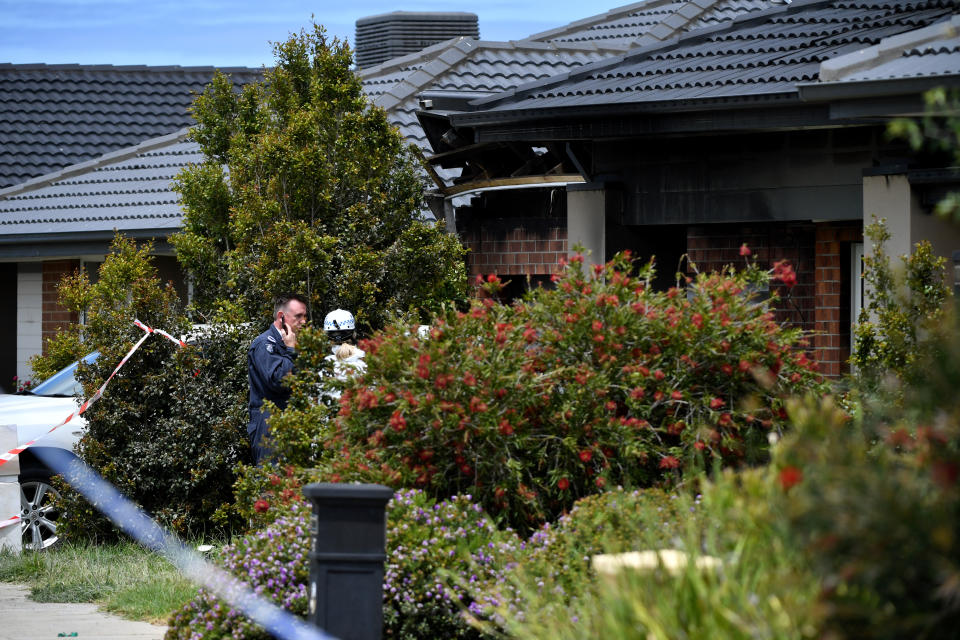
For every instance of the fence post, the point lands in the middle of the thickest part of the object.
(349, 529)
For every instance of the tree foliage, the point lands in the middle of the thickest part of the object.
(905, 306)
(307, 187)
(149, 434)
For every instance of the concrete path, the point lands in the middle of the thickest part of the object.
(23, 619)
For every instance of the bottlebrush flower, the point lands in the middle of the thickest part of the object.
(790, 476)
(563, 484)
(669, 462)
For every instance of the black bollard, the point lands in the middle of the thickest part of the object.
(349, 528)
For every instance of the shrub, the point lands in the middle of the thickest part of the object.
(170, 429)
(598, 382)
(761, 590)
(273, 561)
(548, 573)
(875, 502)
(426, 541)
(904, 308)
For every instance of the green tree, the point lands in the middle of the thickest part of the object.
(307, 187)
(148, 434)
(904, 308)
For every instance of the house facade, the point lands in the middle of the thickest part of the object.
(70, 176)
(769, 130)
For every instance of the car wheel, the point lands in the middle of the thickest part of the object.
(39, 524)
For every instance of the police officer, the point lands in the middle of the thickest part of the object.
(269, 359)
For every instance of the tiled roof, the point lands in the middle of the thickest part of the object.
(54, 116)
(652, 21)
(466, 65)
(129, 189)
(931, 51)
(758, 56)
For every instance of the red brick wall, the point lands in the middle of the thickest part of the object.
(711, 247)
(521, 248)
(53, 316)
(832, 340)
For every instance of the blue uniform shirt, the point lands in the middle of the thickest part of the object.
(268, 361)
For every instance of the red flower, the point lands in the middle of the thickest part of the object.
(697, 320)
(744, 250)
(790, 476)
(397, 421)
(477, 405)
(676, 395)
(600, 481)
(505, 427)
(636, 393)
(669, 462)
(261, 506)
(585, 455)
(716, 403)
(469, 380)
(611, 406)
(563, 484)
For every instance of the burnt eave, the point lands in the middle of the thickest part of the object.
(780, 112)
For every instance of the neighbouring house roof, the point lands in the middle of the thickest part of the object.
(79, 208)
(54, 116)
(759, 58)
(645, 23)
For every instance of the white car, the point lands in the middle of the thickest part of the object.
(34, 413)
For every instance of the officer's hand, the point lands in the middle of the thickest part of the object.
(289, 337)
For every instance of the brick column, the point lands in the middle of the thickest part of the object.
(55, 317)
(831, 341)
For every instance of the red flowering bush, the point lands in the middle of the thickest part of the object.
(600, 381)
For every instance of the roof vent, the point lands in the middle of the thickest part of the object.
(390, 35)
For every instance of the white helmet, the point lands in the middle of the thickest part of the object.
(339, 325)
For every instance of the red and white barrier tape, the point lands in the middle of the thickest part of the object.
(9, 522)
(13, 453)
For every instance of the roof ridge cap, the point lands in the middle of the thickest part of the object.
(393, 64)
(595, 19)
(887, 49)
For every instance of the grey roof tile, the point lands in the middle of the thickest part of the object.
(54, 116)
(757, 54)
(126, 189)
(486, 67)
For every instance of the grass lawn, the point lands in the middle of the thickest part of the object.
(123, 578)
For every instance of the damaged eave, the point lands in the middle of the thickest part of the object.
(525, 181)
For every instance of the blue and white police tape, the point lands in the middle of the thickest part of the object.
(137, 524)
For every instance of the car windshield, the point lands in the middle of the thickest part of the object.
(63, 382)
